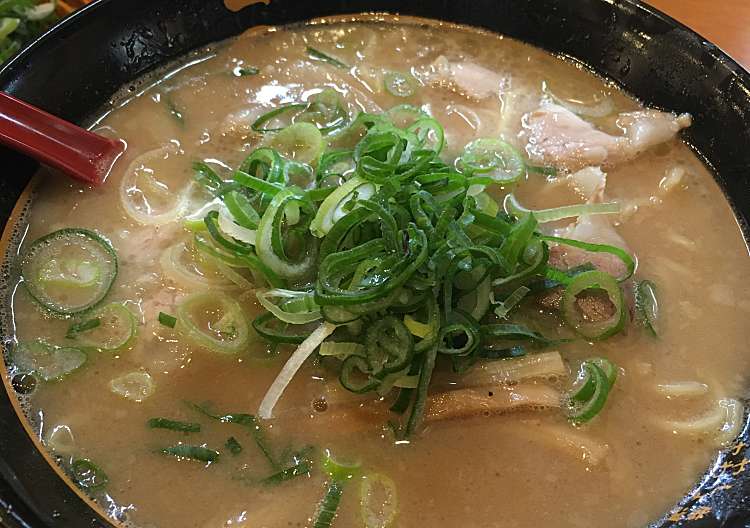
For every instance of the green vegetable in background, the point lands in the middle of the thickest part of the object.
(21, 21)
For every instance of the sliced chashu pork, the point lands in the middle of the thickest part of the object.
(556, 136)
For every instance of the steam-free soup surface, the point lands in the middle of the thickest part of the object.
(524, 467)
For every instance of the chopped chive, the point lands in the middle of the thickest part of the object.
(328, 506)
(233, 445)
(200, 453)
(301, 468)
(174, 425)
(245, 420)
(420, 400)
(77, 328)
(319, 55)
(246, 70)
(88, 475)
(647, 306)
(167, 320)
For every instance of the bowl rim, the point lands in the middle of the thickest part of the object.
(69, 24)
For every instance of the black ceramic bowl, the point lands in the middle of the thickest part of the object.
(75, 68)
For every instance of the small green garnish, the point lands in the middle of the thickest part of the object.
(647, 306)
(77, 328)
(174, 425)
(21, 21)
(233, 445)
(246, 70)
(320, 56)
(88, 475)
(245, 420)
(296, 470)
(200, 453)
(167, 320)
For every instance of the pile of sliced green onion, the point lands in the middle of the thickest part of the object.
(361, 230)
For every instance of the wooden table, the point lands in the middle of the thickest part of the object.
(726, 23)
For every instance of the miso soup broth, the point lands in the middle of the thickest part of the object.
(382, 272)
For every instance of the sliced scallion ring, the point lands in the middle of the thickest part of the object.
(207, 247)
(340, 202)
(341, 350)
(70, 270)
(116, 329)
(270, 245)
(584, 385)
(486, 204)
(400, 84)
(8, 25)
(186, 266)
(354, 375)
(609, 368)
(301, 142)
(228, 226)
(624, 256)
(135, 386)
(417, 328)
(590, 329)
(194, 220)
(242, 211)
(338, 315)
(512, 206)
(589, 397)
(295, 307)
(405, 114)
(325, 110)
(270, 328)
(214, 321)
(378, 500)
(60, 440)
(429, 132)
(47, 361)
(494, 157)
(338, 469)
(147, 200)
(260, 124)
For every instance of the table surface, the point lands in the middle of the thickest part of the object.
(726, 23)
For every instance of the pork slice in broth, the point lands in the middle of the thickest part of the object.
(556, 136)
